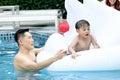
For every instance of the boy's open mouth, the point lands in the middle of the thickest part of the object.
(86, 34)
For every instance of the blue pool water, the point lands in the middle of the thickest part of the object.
(8, 49)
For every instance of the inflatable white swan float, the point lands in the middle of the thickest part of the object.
(105, 28)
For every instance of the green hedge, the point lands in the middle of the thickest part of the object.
(37, 4)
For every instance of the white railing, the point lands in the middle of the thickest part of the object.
(43, 16)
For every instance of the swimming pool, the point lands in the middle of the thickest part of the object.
(8, 49)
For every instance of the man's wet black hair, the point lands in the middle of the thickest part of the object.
(19, 33)
(81, 23)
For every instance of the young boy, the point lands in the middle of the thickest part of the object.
(83, 40)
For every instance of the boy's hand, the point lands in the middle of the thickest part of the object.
(74, 55)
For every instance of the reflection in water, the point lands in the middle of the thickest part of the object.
(27, 75)
(33, 75)
(70, 75)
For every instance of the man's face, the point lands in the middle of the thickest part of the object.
(27, 42)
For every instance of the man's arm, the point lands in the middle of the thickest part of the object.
(31, 65)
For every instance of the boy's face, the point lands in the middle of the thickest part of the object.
(84, 31)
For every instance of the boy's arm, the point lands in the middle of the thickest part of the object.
(94, 42)
(72, 46)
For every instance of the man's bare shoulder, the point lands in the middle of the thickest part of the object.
(18, 57)
(22, 62)
(18, 61)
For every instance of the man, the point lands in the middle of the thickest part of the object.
(25, 60)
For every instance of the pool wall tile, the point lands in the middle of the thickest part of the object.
(7, 41)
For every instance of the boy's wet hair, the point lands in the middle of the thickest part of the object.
(81, 23)
(19, 33)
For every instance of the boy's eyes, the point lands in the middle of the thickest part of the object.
(86, 29)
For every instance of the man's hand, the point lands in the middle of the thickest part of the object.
(60, 54)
